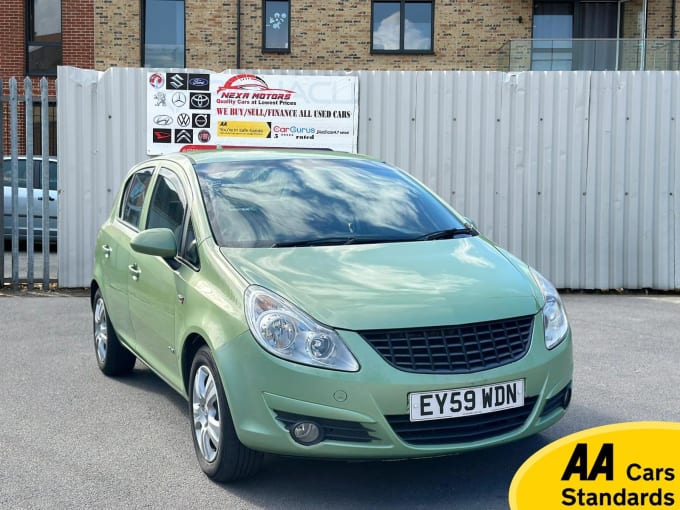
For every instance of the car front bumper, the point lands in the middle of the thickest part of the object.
(365, 414)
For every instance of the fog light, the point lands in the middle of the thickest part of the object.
(306, 433)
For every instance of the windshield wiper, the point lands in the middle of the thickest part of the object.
(448, 233)
(321, 241)
(338, 240)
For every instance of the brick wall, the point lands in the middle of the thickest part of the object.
(335, 34)
(77, 27)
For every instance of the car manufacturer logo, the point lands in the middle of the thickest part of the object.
(198, 82)
(204, 136)
(184, 135)
(183, 119)
(179, 99)
(177, 81)
(162, 135)
(201, 120)
(162, 120)
(159, 99)
(200, 101)
(156, 80)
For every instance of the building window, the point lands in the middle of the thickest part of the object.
(43, 37)
(406, 26)
(163, 33)
(276, 26)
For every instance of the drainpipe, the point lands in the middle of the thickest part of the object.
(643, 46)
(673, 20)
(238, 34)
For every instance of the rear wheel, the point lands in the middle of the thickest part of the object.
(112, 357)
(221, 455)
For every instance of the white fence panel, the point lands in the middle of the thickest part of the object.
(574, 172)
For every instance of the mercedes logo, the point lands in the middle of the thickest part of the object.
(200, 100)
(179, 99)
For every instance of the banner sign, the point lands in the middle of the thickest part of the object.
(291, 111)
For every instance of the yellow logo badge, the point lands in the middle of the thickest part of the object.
(627, 465)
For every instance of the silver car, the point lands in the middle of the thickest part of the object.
(22, 211)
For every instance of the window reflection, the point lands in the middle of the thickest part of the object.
(260, 203)
(164, 33)
(43, 44)
(276, 25)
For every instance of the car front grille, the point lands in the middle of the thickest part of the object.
(461, 430)
(454, 349)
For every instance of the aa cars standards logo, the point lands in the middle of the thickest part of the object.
(627, 465)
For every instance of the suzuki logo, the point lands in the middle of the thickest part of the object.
(176, 81)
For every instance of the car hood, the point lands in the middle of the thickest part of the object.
(394, 285)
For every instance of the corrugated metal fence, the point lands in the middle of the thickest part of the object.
(574, 172)
(25, 182)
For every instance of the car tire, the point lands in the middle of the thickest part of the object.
(222, 457)
(113, 359)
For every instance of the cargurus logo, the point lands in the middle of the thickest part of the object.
(295, 130)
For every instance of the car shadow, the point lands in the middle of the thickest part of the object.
(144, 379)
(473, 480)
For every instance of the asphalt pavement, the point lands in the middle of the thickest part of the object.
(73, 438)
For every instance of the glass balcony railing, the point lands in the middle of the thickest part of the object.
(590, 55)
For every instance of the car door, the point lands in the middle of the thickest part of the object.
(114, 249)
(153, 294)
(38, 200)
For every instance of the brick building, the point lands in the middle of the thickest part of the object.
(35, 37)
(38, 35)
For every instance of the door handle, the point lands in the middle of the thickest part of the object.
(51, 199)
(135, 272)
(107, 250)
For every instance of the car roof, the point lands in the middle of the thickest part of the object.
(218, 155)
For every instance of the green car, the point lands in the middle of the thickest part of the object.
(323, 304)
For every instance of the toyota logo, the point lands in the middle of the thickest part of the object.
(179, 99)
(162, 120)
(200, 100)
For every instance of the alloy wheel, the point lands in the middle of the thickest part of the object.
(206, 413)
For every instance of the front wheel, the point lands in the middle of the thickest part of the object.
(221, 455)
(112, 357)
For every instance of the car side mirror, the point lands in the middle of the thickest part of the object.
(159, 242)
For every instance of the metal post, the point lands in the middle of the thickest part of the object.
(45, 148)
(30, 206)
(2, 197)
(14, 152)
(643, 44)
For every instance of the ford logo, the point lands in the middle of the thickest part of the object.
(198, 82)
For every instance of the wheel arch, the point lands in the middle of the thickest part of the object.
(191, 346)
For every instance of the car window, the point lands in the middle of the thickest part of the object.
(8, 172)
(167, 206)
(135, 191)
(285, 201)
(53, 175)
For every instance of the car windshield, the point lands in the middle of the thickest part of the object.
(318, 201)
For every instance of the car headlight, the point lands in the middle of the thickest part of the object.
(287, 332)
(555, 322)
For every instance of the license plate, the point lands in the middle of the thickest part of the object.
(437, 405)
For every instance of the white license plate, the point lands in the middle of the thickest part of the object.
(436, 405)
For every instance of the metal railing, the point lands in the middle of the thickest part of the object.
(590, 55)
(27, 203)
